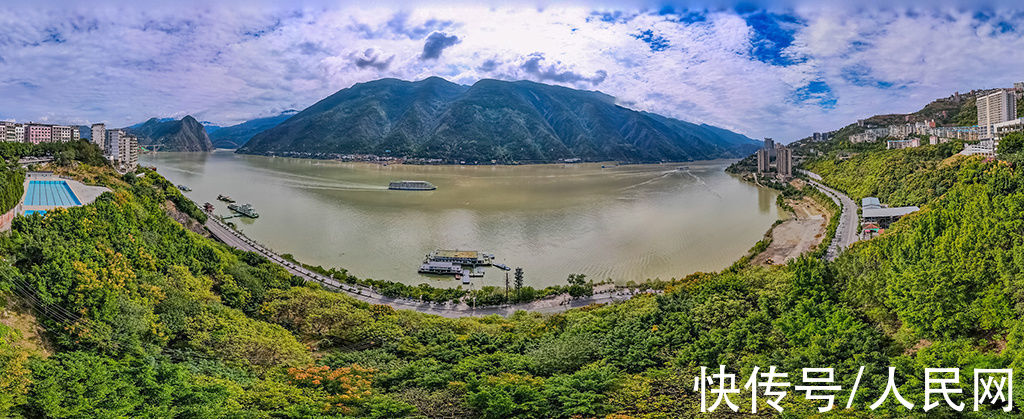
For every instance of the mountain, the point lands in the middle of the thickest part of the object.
(237, 135)
(186, 134)
(519, 121)
(140, 124)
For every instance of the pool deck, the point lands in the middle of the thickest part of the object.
(86, 194)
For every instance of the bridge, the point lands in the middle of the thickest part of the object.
(236, 239)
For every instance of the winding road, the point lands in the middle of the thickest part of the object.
(848, 230)
(233, 238)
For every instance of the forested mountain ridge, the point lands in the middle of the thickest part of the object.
(491, 120)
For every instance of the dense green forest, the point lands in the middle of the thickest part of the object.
(144, 318)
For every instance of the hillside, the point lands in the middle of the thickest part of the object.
(235, 136)
(186, 134)
(140, 317)
(491, 120)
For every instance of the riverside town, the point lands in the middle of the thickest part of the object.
(586, 210)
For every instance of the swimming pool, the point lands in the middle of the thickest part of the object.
(30, 212)
(50, 193)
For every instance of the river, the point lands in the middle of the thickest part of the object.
(630, 222)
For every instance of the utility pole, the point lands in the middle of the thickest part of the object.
(506, 286)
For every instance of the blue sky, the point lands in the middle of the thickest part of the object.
(782, 71)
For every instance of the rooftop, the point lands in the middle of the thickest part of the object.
(888, 212)
(467, 254)
(870, 202)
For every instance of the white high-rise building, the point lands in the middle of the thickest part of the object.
(112, 142)
(122, 150)
(99, 136)
(994, 108)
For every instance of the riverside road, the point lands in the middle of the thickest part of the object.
(847, 232)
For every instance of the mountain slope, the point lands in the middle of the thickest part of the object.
(491, 120)
(237, 135)
(186, 134)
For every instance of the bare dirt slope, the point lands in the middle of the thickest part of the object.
(797, 235)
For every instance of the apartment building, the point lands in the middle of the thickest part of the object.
(764, 161)
(994, 108)
(99, 136)
(784, 161)
(38, 133)
(63, 133)
(122, 149)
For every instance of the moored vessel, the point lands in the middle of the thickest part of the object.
(244, 209)
(411, 185)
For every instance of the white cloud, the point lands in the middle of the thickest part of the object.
(229, 63)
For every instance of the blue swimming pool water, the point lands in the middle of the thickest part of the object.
(30, 212)
(51, 193)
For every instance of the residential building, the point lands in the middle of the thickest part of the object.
(38, 133)
(769, 145)
(112, 146)
(19, 133)
(900, 144)
(784, 161)
(993, 108)
(985, 148)
(99, 136)
(122, 149)
(1003, 128)
(763, 161)
(62, 133)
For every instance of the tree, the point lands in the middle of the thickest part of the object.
(578, 286)
(519, 284)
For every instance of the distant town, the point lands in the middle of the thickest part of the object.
(120, 147)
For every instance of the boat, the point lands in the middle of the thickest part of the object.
(411, 185)
(462, 257)
(244, 209)
(185, 188)
(440, 268)
(476, 273)
(225, 198)
(502, 266)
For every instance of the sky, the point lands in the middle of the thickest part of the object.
(781, 70)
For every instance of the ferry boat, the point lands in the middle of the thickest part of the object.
(225, 198)
(440, 268)
(185, 188)
(244, 209)
(411, 185)
(502, 266)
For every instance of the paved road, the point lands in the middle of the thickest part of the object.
(557, 304)
(847, 232)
